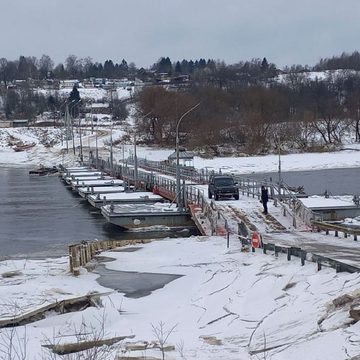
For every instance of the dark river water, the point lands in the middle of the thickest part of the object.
(40, 217)
(315, 182)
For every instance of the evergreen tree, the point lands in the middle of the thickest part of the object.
(185, 67)
(74, 101)
(264, 65)
(164, 65)
(191, 67)
(202, 63)
(23, 68)
(178, 68)
(74, 95)
(123, 69)
(59, 72)
(109, 69)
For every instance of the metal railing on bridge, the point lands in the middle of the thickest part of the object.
(147, 177)
(217, 220)
(151, 180)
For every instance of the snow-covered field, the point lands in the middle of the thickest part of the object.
(227, 303)
(244, 165)
(90, 94)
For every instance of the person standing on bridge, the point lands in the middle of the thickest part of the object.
(264, 198)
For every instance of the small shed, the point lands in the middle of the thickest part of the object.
(100, 108)
(186, 158)
(20, 122)
(5, 123)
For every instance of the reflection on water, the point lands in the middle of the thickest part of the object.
(39, 217)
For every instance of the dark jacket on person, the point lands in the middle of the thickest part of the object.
(264, 195)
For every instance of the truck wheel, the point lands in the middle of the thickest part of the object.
(236, 197)
(210, 194)
(216, 196)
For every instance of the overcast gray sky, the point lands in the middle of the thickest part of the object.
(286, 32)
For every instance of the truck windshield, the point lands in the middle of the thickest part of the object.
(224, 182)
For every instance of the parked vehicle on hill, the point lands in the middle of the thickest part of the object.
(222, 186)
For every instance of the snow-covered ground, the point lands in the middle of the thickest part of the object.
(244, 165)
(328, 202)
(290, 162)
(91, 94)
(226, 304)
(318, 75)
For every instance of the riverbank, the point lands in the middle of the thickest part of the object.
(226, 303)
(56, 154)
(222, 303)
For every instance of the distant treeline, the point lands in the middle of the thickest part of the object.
(344, 61)
(210, 70)
(26, 68)
(243, 106)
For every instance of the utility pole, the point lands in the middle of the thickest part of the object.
(280, 181)
(178, 196)
(81, 147)
(136, 172)
(67, 127)
(96, 146)
(111, 152)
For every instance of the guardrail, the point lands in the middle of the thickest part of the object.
(321, 261)
(327, 227)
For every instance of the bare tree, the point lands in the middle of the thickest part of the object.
(3, 72)
(13, 346)
(46, 65)
(72, 66)
(162, 334)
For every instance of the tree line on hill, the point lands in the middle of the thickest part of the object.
(210, 70)
(245, 106)
(296, 114)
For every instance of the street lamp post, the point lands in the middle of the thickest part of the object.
(96, 145)
(61, 106)
(279, 169)
(66, 123)
(67, 127)
(178, 197)
(136, 171)
(81, 145)
(111, 150)
(72, 123)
